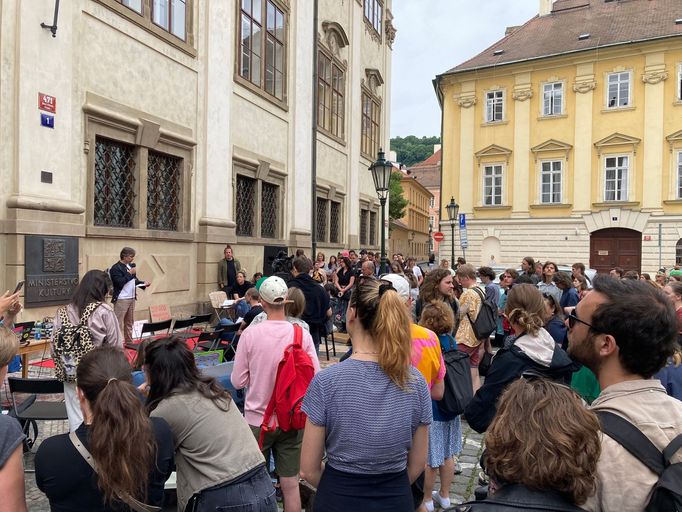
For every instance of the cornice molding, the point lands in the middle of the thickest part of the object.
(522, 92)
(466, 100)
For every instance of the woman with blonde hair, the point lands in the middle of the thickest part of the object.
(530, 347)
(535, 460)
(370, 414)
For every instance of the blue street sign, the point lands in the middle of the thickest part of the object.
(47, 120)
(462, 220)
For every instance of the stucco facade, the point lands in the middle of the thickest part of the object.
(547, 154)
(189, 102)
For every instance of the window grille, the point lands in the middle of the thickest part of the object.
(364, 220)
(269, 208)
(114, 184)
(163, 191)
(321, 220)
(372, 228)
(245, 201)
(335, 223)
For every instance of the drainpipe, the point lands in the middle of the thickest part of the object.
(441, 103)
(313, 149)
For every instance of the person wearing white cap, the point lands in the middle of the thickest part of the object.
(260, 350)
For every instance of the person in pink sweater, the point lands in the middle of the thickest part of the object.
(261, 348)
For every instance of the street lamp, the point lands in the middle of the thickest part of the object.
(453, 210)
(381, 174)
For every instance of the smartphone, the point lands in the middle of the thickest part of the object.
(20, 285)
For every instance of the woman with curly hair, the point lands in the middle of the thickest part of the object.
(438, 285)
(530, 347)
(532, 459)
(370, 414)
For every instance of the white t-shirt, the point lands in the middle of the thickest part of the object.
(128, 290)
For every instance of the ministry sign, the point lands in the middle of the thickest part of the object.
(51, 272)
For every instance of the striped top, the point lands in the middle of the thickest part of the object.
(369, 421)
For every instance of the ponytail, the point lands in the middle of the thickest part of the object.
(391, 333)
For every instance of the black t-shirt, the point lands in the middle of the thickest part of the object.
(253, 312)
(240, 290)
(71, 484)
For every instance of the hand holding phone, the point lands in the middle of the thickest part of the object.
(20, 285)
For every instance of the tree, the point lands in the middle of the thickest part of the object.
(396, 201)
(411, 150)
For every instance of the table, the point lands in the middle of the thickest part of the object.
(32, 347)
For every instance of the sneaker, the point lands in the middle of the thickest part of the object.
(442, 502)
(458, 468)
(428, 505)
(335, 329)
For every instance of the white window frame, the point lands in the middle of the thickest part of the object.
(494, 199)
(432, 202)
(678, 174)
(491, 101)
(550, 88)
(620, 79)
(621, 193)
(552, 172)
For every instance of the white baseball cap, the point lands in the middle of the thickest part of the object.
(273, 290)
(401, 285)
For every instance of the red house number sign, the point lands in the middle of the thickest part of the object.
(47, 103)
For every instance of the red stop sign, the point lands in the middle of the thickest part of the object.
(438, 236)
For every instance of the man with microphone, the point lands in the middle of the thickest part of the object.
(124, 278)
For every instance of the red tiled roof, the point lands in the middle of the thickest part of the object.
(607, 22)
(432, 160)
(427, 172)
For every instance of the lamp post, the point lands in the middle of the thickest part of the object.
(381, 174)
(453, 210)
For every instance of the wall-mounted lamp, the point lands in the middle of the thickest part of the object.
(53, 27)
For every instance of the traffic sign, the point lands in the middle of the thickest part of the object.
(438, 236)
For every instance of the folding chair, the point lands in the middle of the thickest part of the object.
(217, 299)
(209, 340)
(38, 409)
(182, 327)
(151, 328)
(204, 319)
(326, 342)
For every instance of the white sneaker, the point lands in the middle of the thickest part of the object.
(429, 506)
(442, 502)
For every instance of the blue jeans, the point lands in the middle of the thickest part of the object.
(256, 494)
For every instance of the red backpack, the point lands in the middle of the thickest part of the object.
(294, 373)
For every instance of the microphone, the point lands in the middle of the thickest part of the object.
(132, 265)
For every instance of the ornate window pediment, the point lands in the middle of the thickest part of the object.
(334, 36)
(493, 151)
(674, 139)
(617, 139)
(374, 79)
(551, 145)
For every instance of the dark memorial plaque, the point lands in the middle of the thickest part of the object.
(51, 271)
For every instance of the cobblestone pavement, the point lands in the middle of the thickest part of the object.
(462, 488)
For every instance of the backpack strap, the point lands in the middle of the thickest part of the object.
(672, 449)
(482, 297)
(89, 310)
(633, 440)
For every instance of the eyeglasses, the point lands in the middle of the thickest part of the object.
(573, 318)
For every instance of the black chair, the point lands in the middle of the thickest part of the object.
(326, 342)
(150, 328)
(203, 319)
(209, 340)
(182, 327)
(37, 409)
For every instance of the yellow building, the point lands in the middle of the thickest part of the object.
(410, 234)
(563, 140)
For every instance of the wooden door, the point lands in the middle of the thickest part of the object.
(615, 247)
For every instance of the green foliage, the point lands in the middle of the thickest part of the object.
(411, 150)
(396, 201)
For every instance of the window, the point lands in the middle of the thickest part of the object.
(432, 202)
(159, 16)
(678, 252)
(328, 220)
(679, 82)
(330, 99)
(116, 187)
(373, 12)
(553, 99)
(262, 45)
(494, 106)
(492, 185)
(364, 226)
(114, 184)
(335, 222)
(616, 178)
(135, 5)
(618, 90)
(679, 175)
(372, 228)
(371, 109)
(163, 191)
(321, 219)
(257, 207)
(550, 182)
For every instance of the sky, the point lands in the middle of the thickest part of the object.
(434, 36)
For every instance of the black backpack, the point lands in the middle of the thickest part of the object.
(458, 389)
(667, 493)
(486, 320)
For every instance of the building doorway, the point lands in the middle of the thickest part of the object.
(615, 247)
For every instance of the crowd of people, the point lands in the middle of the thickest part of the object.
(564, 352)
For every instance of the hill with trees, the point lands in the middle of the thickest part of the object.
(412, 150)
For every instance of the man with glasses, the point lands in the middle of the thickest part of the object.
(624, 331)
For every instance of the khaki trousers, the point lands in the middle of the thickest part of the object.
(124, 309)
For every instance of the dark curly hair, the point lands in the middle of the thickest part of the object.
(641, 319)
(527, 445)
